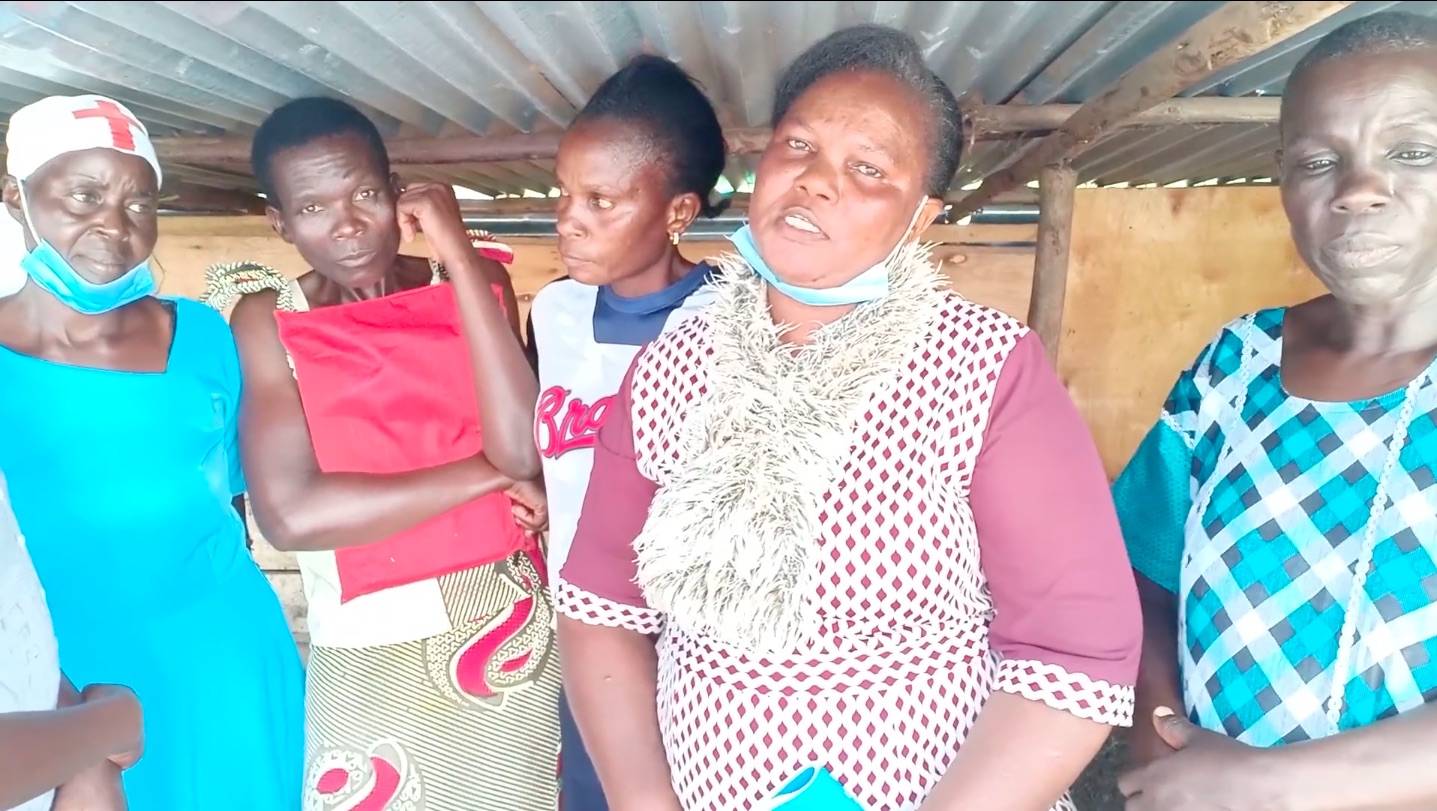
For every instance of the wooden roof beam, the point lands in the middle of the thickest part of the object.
(190, 197)
(1229, 35)
(998, 122)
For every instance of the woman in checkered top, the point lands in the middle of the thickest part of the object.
(815, 546)
(1281, 515)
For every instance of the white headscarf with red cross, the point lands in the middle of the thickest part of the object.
(54, 126)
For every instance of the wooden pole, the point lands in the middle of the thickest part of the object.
(1229, 35)
(1050, 269)
(988, 123)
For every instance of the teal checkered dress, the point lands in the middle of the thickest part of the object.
(1257, 521)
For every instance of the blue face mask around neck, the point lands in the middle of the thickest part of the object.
(54, 274)
(870, 285)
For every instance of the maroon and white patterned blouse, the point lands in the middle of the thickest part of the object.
(971, 545)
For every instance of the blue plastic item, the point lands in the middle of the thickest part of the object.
(814, 789)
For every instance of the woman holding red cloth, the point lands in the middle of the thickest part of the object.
(386, 439)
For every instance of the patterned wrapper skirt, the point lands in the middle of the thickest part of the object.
(466, 720)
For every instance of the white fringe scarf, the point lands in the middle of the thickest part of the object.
(728, 547)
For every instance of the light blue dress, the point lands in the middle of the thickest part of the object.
(1256, 507)
(123, 484)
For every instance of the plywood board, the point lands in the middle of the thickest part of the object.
(999, 277)
(1154, 274)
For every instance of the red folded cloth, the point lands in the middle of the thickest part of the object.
(388, 387)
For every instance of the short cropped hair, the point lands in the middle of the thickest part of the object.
(1386, 32)
(878, 49)
(303, 121)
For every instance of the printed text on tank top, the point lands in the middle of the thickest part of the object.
(564, 423)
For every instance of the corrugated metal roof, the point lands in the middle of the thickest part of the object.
(436, 68)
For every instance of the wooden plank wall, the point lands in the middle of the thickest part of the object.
(1154, 273)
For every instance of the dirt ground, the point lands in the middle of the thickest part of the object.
(1097, 789)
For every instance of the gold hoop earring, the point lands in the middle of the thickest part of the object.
(674, 237)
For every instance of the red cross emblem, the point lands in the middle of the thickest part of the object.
(120, 123)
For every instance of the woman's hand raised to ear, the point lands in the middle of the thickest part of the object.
(505, 382)
(433, 210)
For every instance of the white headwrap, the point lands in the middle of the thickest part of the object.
(49, 128)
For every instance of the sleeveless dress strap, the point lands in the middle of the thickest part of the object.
(300, 301)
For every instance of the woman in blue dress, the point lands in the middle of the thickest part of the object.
(1282, 514)
(120, 410)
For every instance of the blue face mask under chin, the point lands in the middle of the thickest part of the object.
(870, 285)
(54, 274)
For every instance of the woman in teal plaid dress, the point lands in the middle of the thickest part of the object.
(1282, 514)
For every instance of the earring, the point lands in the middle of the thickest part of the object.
(674, 237)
